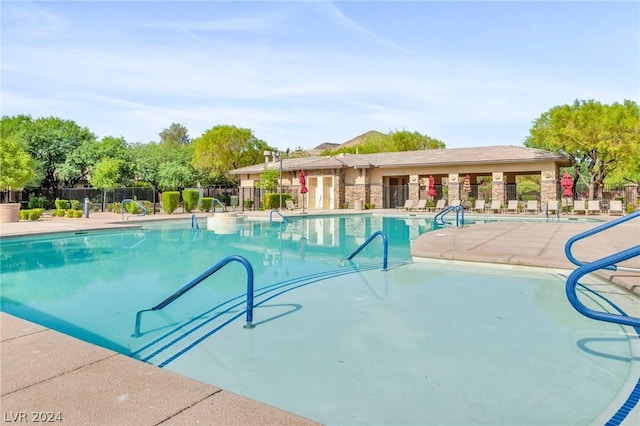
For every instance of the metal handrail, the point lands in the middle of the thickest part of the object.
(546, 211)
(197, 280)
(439, 218)
(215, 200)
(284, 218)
(385, 248)
(194, 222)
(144, 209)
(588, 233)
(586, 268)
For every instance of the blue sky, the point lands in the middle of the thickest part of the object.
(302, 73)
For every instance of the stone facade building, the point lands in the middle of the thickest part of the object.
(387, 180)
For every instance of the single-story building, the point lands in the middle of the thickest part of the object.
(387, 180)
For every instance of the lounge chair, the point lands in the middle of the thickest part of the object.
(290, 205)
(615, 207)
(579, 207)
(496, 206)
(440, 204)
(532, 206)
(408, 205)
(456, 202)
(421, 205)
(512, 206)
(479, 206)
(593, 206)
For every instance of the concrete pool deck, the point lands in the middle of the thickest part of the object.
(43, 371)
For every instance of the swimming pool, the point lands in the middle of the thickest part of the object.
(418, 344)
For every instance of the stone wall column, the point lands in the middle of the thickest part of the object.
(454, 188)
(375, 195)
(497, 186)
(631, 195)
(414, 187)
(548, 188)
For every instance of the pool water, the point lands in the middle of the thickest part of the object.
(421, 343)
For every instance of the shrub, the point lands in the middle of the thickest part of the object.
(131, 207)
(24, 214)
(272, 201)
(75, 205)
(207, 202)
(61, 204)
(368, 206)
(37, 202)
(190, 199)
(170, 201)
(35, 214)
(248, 204)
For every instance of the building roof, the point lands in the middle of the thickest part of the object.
(427, 157)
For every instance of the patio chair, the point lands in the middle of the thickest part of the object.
(615, 207)
(290, 205)
(479, 206)
(456, 202)
(593, 206)
(579, 206)
(408, 205)
(531, 206)
(440, 204)
(512, 206)
(496, 206)
(421, 205)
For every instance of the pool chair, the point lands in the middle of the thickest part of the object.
(408, 205)
(531, 206)
(441, 204)
(496, 206)
(290, 205)
(579, 206)
(421, 205)
(615, 207)
(479, 206)
(593, 207)
(512, 206)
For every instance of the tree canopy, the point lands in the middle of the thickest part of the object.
(599, 139)
(223, 148)
(16, 166)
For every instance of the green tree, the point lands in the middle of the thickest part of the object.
(597, 138)
(269, 179)
(106, 175)
(223, 148)
(49, 141)
(16, 166)
(174, 176)
(175, 134)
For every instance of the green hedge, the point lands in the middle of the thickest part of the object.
(272, 201)
(170, 201)
(207, 202)
(31, 214)
(61, 204)
(190, 199)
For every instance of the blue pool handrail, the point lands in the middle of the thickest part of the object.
(586, 268)
(593, 231)
(546, 211)
(439, 218)
(197, 280)
(284, 218)
(216, 201)
(385, 248)
(194, 222)
(129, 200)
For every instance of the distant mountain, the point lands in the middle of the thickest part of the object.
(351, 142)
